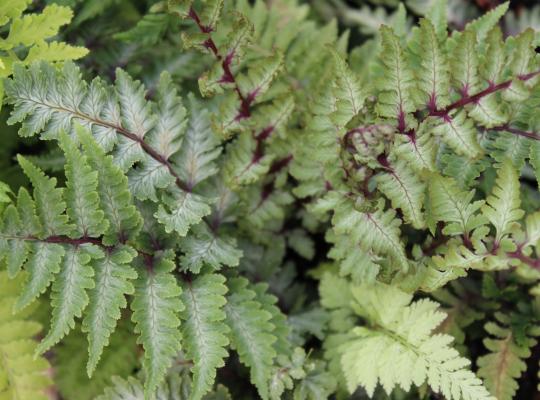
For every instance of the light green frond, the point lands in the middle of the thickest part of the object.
(376, 231)
(437, 14)
(260, 75)
(348, 91)
(14, 247)
(251, 333)
(119, 358)
(22, 376)
(361, 265)
(494, 60)
(146, 178)
(396, 82)
(69, 295)
(488, 112)
(81, 194)
(459, 256)
(175, 387)
(42, 266)
(419, 151)
(113, 276)
(50, 204)
(464, 64)
(200, 147)
(454, 206)
(243, 165)
(156, 305)
(204, 247)
(266, 209)
(32, 28)
(181, 210)
(335, 292)
(458, 132)
(54, 51)
(115, 198)
(508, 146)
(504, 364)
(136, 116)
(26, 207)
(12, 9)
(532, 225)
(462, 169)
(481, 26)
(406, 191)
(282, 329)
(165, 137)
(402, 334)
(433, 75)
(204, 330)
(502, 206)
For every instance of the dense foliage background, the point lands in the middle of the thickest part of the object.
(270, 218)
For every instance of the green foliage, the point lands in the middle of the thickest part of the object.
(118, 359)
(398, 331)
(155, 306)
(204, 326)
(22, 376)
(236, 199)
(32, 32)
(251, 328)
(508, 345)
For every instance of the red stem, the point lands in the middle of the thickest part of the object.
(228, 76)
(492, 88)
(515, 131)
(532, 262)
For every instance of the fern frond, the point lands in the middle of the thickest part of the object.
(15, 249)
(113, 276)
(434, 80)
(42, 266)
(465, 66)
(348, 91)
(69, 292)
(81, 195)
(376, 231)
(156, 304)
(204, 331)
(174, 388)
(401, 333)
(405, 190)
(200, 149)
(180, 210)
(242, 165)
(119, 358)
(32, 28)
(279, 320)
(206, 248)
(115, 198)
(459, 133)
(22, 376)
(462, 169)
(32, 32)
(121, 120)
(454, 206)
(50, 204)
(396, 85)
(481, 26)
(504, 364)
(502, 206)
(251, 333)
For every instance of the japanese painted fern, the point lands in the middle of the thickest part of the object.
(275, 216)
